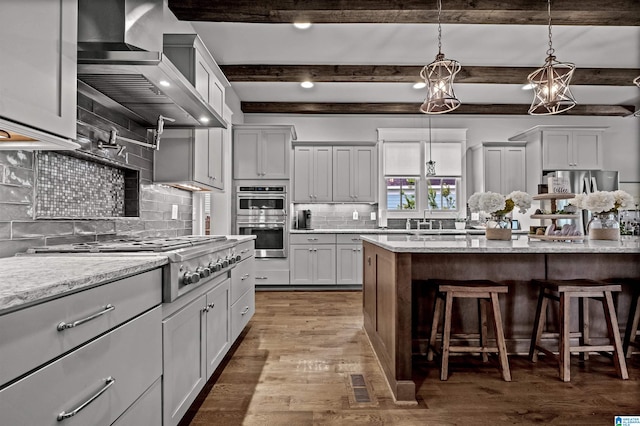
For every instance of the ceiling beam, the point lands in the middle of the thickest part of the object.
(411, 74)
(413, 108)
(514, 12)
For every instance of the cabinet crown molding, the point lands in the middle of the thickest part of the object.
(532, 131)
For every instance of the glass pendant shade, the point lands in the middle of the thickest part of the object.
(551, 92)
(438, 76)
(431, 168)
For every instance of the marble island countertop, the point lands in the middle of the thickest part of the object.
(396, 231)
(479, 244)
(25, 280)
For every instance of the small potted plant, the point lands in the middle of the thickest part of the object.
(460, 222)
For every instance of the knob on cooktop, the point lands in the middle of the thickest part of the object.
(203, 271)
(190, 277)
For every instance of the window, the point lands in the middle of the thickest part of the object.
(442, 193)
(401, 193)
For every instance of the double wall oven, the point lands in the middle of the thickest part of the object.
(262, 211)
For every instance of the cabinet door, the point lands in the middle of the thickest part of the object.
(587, 150)
(218, 326)
(493, 168)
(342, 174)
(184, 359)
(202, 152)
(246, 144)
(303, 174)
(216, 157)
(325, 264)
(514, 172)
(322, 174)
(557, 150)
(364, 179)
(275, 155)
(38, 42)
(302, 264)
(347, 264)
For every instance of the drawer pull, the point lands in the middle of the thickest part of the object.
(355, 239)
(244, 277)
(246, 309)
(312, 239)
(262, 278)
(244, 251)
(63, 325)
(107, 384)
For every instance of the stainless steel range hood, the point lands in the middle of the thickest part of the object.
(121, 65)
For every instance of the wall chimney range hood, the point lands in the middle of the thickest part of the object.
(121, 65)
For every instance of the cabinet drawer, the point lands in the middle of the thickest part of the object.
(29, 337)
(348, 239)
(245, 249)
(312, 238)
(146, 411)
(278, 277)
(242, 279)
(64, 385)
(241, 313)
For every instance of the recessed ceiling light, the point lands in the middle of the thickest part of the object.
(420, 85)
(306, 84)
(204, 120)
(302, 25)
(528, 86)
(164, 83)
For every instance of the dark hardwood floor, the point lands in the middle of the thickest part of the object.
(295, 361)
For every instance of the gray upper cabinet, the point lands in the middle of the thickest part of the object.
(262, 152)
(312, 174)
(191, 157)
(561, 148)
(38, 45)
(354, 173)
(504, 168)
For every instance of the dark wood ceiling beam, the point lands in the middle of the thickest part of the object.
(520, 12)
(412, 108)
(411, 74)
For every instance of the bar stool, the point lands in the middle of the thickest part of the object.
(631, 332)
(483, 290)
(563, 291)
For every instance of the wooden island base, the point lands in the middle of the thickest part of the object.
(397, 305)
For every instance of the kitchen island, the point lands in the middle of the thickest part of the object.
(397, 305)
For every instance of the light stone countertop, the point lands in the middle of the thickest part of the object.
(479, 244)
(383, 231)
(25, 280)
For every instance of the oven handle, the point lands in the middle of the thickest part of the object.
(262, 223)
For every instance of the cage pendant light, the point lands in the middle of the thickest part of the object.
(551, 92)
(438, 76)
(431, 165)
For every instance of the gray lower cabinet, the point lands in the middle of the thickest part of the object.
(97, 381)
(349, 264)
(313, 259)
(243, 304)
(195, 339)
(146, 411)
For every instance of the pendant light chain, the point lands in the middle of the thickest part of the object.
(550, 50)
(439, 28)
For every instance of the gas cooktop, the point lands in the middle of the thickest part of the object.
(132, 245)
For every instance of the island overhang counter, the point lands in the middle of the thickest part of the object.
(397, 304)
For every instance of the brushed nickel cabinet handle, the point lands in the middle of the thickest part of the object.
(244, 277)
(63, 325)
(262, 278)
(246, 309)
(244, 251)
(108, 382)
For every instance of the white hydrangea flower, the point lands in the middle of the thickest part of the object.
(600, 201)
(474, 202)
(521, 199)
(492, 202)
(623, 200)
(578, 201)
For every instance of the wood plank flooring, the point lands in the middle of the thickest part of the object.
(294, 362)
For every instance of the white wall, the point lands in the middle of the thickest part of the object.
(622, 138)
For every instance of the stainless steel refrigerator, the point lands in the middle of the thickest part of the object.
(586, 182)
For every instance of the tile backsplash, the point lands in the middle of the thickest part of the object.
(36, 212)
(339, 216)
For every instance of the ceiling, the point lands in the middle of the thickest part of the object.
(365, 55)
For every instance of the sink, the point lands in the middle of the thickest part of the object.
(438, 231)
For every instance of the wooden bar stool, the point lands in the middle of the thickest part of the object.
(631, 332)
(563, 291)
(483, 290)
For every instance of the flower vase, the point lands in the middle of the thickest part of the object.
(498, 228)
(604, 226)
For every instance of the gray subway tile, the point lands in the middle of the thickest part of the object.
(5, 230)
(94, 227)
(41, 228)
(16, 211)
(22, 159)
(69, 239)
(11, 247)
(17, 176)
(15, 194)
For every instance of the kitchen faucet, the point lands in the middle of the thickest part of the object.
(424, 219)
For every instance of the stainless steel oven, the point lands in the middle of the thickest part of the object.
(270, 231)
(262, 211)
